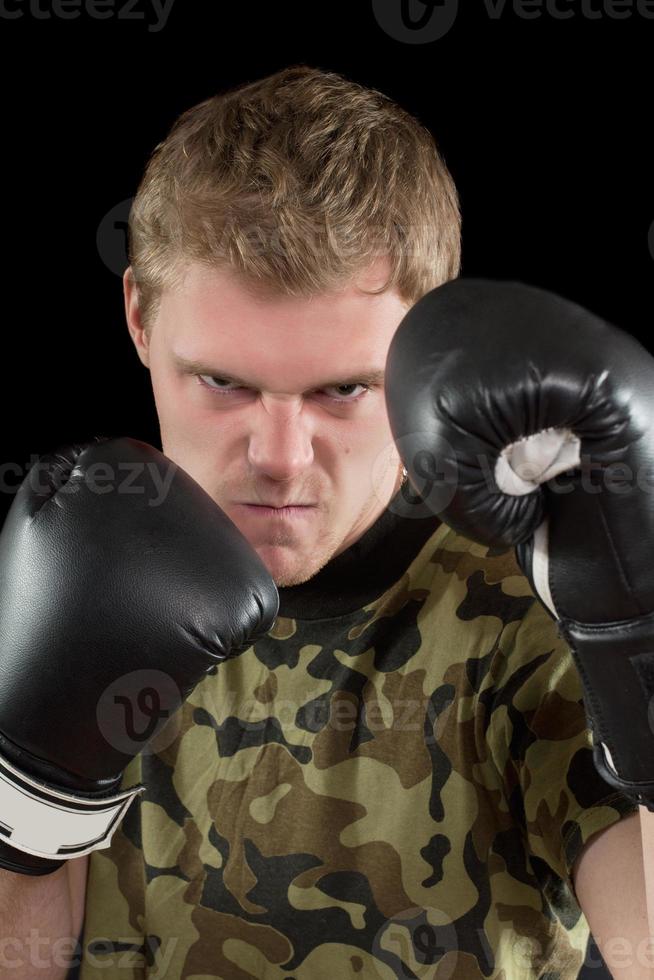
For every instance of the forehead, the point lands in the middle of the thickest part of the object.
(215, 319)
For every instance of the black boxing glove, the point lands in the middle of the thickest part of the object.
(496, 389)
(121, 582)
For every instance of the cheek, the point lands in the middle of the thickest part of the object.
(163, 390)
(172, 397)
(181, 431)
(357, 444)
(377, 436)
(378, 456)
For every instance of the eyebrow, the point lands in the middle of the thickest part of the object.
(366, 376)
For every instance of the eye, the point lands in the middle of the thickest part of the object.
(216, 386)
(353, 385)
(206, 381)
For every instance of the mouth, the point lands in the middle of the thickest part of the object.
(287, 511)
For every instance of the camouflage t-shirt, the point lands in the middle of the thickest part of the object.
(394, 782)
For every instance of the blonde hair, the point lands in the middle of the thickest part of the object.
(297, 182)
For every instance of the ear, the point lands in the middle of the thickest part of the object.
(133, 315)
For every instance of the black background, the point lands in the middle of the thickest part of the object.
(544, 122)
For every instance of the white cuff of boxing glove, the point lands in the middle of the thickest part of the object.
(50, 823)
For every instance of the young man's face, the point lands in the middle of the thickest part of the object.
(297, 427)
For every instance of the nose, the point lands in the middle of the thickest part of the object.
(280, 444)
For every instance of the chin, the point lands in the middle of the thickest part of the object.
(289, 570)
(287, 581)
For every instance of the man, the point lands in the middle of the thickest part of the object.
(349, 796)
(329, 806)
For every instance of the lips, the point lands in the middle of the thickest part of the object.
(278, 513)
(290, 503)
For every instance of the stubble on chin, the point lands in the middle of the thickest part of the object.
(294, 567)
